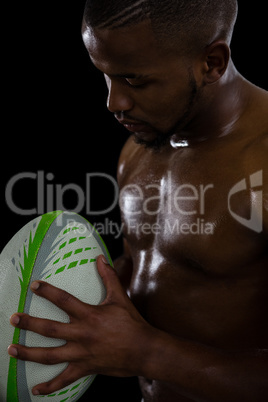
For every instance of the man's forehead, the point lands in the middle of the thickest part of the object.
(138, 39)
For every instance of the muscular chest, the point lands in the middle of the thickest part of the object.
(195, 260)
(187, 208)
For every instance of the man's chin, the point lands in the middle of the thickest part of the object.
(154, 141)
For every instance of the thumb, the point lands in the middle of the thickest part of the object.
(110, 279)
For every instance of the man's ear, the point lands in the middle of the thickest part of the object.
(217, 56)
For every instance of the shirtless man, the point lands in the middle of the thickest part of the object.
(193, 180)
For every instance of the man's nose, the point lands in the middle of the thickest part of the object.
(119, 99)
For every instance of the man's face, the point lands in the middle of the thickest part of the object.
(152, 92)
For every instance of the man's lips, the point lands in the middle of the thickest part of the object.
(135, 126)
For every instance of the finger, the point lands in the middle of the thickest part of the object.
(48, 328)
(64, 300)
(63, 380)
(114, 289)
(48, 356)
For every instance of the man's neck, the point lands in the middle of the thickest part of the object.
(222, 105)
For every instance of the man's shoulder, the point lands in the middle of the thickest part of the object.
(262, 104)
(254, 127)
(255, 155)
(130, 154)
(129, 147)
(257, 109)
(255, 159)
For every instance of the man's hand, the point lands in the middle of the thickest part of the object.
(107, 339)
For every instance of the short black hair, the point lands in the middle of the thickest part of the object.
(193, 22)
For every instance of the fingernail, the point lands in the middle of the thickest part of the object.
(14, 319)
(12, 351)
(35, 392)
(104, 260)
(35, 285)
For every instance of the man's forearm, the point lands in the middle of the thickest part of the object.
(208, 374)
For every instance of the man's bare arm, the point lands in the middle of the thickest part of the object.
(208, 374)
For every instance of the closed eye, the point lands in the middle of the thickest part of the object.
(134, 82)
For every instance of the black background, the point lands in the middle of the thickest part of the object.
(54, 117)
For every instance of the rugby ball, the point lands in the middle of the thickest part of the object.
(60, 248)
